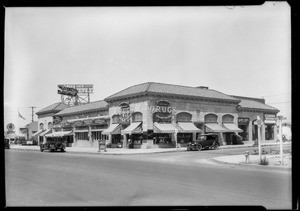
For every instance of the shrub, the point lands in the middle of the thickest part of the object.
(263, 161)
(255, 144)
(255, 152)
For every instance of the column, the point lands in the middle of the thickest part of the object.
(263, 132)
(74, 137)
(124, 141)
(90, 136)
(275, 132)
(250, 131)
(194, 136)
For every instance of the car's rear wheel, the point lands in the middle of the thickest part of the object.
(199, 147)
(62, 150)
(216, 145)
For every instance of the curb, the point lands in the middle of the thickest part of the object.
(104, 153)
(257, 166)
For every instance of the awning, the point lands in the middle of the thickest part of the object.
(60, 134)
(270, 121)
(45, 132)
(134, 127)
(113, 129)
(214, 127)
(37, 133)
(188, 127)
(164, 128)
(232, 127)
(89, 118)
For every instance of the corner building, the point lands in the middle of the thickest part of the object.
(153, 115)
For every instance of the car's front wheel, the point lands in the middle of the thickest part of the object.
(41, 149)
(199, 147)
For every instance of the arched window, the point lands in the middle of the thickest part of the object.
(115, 119)
(211, 118)
(49, 125)
(137, 117)
(184, 117)
(227, 118)
(41, 126)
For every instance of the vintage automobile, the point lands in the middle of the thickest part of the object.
(6, 143)
(205, 141)
(53, 145)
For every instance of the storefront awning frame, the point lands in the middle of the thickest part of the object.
(37, 133)
(59, 134)
(113, 129)
(215, 127)
(133, 128)
(45, 132)
(187, 127)
(231, 127)
(164, 128)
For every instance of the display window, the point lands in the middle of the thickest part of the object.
(184, 138)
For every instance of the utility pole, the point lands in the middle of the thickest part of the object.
(32, 112)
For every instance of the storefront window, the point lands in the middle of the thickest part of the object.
(227, 118)
(82, 136)
(211, 118)
(137, 117)
(116, 139)
(49, 125)
(41, 126)
(184, 138)
(184, 117)
(115, 119)
(162, 139)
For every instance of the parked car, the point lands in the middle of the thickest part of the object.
(53, 145)
(6, 143)
(205, 141)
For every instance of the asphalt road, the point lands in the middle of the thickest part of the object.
(174, 179)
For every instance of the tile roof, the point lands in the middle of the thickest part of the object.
(85, 107)
(253, 104)
(52, 108)
(161, 88)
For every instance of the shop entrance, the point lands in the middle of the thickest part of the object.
(244, 134)
(163, 140)
(184, 138)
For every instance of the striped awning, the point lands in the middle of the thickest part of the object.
(113, 129)
(164, 128)
(232, 127)
(59, 134)
(45, 132)
(133, 128)
(215, 127)
(188, 127)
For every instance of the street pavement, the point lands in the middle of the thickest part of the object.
(150, 179)
(236, 159)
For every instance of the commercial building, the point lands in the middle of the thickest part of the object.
(150, 115)
(81, 125)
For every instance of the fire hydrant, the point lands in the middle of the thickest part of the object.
(247, 156)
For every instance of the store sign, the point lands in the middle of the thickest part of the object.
(64, 90)
(124, 112)
(56, 119)
(162, 106)
(10, 126)
(243, 121)
(162, 112)
(78, 88)
(270, 116)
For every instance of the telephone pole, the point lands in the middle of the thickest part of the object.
(32, 112)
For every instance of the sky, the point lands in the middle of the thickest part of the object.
(241, 50)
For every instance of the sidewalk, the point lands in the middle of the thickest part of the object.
(118, 151)
(274, 161)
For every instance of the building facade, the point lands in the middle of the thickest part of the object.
(151, 115)
(81, 125)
